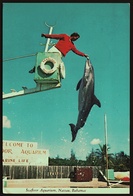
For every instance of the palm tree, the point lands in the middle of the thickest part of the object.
(103, 157)
(91, 159)
(73, 160)
(122, 161)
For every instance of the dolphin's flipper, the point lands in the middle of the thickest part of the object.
(73, 132)
(78, 85)
(96, 101)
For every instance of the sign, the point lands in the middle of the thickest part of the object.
(24, 153)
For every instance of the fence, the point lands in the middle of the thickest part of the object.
(41, 172)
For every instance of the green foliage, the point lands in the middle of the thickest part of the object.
(73, 160)
(119, 161)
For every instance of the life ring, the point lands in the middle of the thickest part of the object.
(62, 70)
(48, 65)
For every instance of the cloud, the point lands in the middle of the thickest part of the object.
(6, 122)
(95, 141)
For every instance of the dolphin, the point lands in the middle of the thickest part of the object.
(86, 98)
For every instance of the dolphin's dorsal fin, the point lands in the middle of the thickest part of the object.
(78, 85)
(96, 101)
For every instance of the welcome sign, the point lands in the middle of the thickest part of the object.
(24, 153)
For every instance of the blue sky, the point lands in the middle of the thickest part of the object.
(44, 117)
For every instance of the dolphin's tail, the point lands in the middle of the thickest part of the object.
(74, 133)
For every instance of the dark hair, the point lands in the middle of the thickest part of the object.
(75, 34)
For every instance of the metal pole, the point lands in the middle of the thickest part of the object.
(25, 91)
(105, 127)
(41, 139)
(48, 40)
